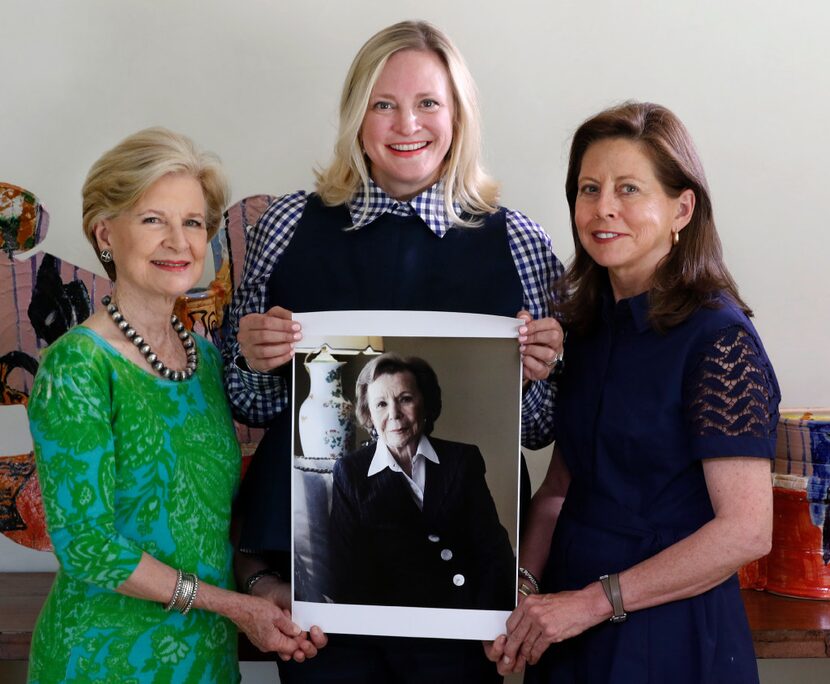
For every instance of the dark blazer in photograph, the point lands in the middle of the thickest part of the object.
(385, 551)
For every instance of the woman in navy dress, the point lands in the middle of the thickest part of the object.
(403, 218)
(659, 486)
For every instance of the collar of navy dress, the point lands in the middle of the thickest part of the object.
(429, 206)
(635, 307)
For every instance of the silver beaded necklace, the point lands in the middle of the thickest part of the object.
(152, 358)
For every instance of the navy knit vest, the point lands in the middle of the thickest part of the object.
(394, 263)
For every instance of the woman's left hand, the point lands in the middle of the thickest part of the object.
(544, 619)
(540, 344)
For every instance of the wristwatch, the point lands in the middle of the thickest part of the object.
(611, 587)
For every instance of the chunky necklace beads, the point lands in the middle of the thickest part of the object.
(130, 333)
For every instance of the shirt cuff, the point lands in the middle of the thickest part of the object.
(537, 414)
(255, 381)
(533, 398)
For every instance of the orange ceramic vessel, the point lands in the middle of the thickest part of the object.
(754, 575)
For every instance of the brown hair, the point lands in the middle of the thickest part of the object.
(390, 364)
(691, 274)
(123, 174)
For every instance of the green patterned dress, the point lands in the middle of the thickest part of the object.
(130, 462)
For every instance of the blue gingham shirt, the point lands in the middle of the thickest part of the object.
(257, 397)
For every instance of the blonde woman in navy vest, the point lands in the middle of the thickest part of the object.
(403, 218)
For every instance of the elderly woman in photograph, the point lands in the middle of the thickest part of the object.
(659, 486)
(412, 521)
(404, 218)
(136, 451)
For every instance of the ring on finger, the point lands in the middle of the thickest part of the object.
(556, 359)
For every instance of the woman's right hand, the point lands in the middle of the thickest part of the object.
(494, 651)
(266, 340)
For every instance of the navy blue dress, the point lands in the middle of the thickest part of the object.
(636, 413)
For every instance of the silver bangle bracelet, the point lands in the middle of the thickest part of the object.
(187, 584)
(192, 598)
(187, 590)
(176, 592)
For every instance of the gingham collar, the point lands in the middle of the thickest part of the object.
(429, 206)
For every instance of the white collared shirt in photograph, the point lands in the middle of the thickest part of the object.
(383, 459)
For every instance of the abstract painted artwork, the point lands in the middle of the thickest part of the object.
(41, 297)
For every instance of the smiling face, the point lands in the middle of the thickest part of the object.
(396, 407)
(408, 126)
(623, 216)
(158, 246)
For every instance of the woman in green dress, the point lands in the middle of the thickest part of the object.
(135, 447)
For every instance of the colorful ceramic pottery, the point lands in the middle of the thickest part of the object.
(799, 563)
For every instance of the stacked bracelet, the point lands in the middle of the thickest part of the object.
(184, 595)
(192, 596)
(530, 577)
(176, 592)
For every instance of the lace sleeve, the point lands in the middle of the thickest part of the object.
(732, 393)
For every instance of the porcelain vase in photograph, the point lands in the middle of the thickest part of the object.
(326, 429)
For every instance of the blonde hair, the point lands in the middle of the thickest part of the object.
(123, 174)
(465, 181)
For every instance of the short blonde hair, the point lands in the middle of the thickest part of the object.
(123, 174)
(465, 180)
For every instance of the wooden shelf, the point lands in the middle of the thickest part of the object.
(21, 596)
(788, 627)
(781, 627)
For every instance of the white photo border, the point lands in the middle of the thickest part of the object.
(403, 621)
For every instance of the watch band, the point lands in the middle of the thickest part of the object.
(611, 587)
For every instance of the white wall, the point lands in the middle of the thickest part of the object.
(258, 82)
